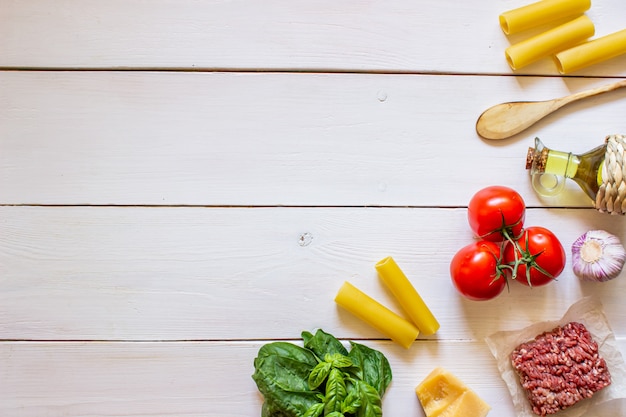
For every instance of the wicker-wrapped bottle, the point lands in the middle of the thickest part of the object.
(600, 172)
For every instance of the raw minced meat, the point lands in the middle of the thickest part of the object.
(559, 368)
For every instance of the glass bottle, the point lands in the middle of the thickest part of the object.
(549, 169)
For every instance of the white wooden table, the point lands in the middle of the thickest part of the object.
(182, 181)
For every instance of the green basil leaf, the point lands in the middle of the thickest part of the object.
(272, 410)
(336, 391)
(281, 374)
(371, 403)
(315, 410)
(351, 403)
(338, 360)
(287, 350)
(296, 382)
(373, 366)
(319, 374)
(323, 343)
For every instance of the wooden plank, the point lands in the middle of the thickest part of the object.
(106, 273)
(354, 35)
(281, 148)
(277, 139)
(207, 379)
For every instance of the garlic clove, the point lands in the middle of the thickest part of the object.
(598, 256)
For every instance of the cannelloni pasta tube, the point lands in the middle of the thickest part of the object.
(407, 296)
(592, 52)
(550, 42)
(376, 315)
(541, 12)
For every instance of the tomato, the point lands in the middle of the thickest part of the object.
(474, 271)
(539, 249)
(494, 209)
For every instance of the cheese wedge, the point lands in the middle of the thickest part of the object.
(444, 395)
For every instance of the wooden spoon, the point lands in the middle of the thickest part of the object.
(507, 119)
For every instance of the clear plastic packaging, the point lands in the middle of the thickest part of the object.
(587, 311)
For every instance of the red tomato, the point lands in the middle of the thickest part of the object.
(542, 253)
(474, 271)
(494, 209)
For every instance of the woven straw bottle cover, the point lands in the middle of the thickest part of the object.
(611, 197)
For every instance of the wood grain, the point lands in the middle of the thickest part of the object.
(177, 273)
(207, 379)
(276, 139)
(390, 36)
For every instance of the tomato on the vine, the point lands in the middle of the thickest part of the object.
(494, 211)
(475, 273)
(541, 253)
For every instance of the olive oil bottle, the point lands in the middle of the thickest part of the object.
(549, 168)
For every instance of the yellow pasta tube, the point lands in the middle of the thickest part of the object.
(550, 42)
(540, 13)
(407, 296)
(376, 315)
(592, 52)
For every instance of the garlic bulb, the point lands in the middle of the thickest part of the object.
(597, 256)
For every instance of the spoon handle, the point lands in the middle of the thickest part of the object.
(592, 92)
